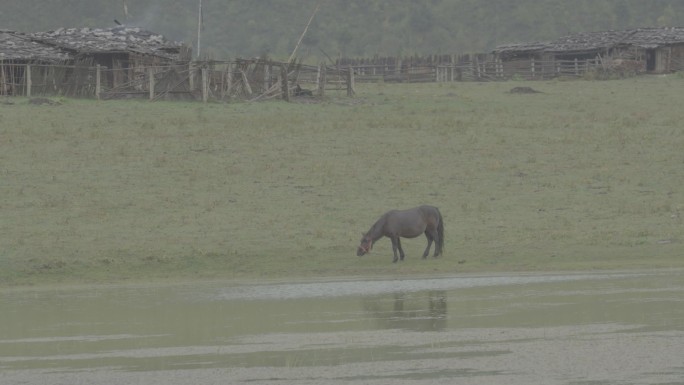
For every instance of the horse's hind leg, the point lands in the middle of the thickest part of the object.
(438, 243)
(438, 250)
(432, 236)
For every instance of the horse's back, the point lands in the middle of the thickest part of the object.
(424, 211)
(429, 211)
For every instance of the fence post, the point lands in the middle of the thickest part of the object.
(350, 82)
(223, 83)
(28, 81)
(98, 81)
(322, 78)
(191, 76)
(150, 74)
(245, 83)
(229, 80)
(268, 70)
(205, 84)
(284, 84)
(532, 67)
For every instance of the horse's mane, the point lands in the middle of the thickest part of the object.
(376, 231)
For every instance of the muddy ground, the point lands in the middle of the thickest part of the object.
(589, 328)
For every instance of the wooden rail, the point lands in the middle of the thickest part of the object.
(258, 79)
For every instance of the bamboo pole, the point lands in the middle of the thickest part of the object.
(199, 28)
(294, 51)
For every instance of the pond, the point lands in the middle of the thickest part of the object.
(608, 327)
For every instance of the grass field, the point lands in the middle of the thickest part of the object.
(584, 175)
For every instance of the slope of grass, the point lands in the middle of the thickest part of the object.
(585, 175)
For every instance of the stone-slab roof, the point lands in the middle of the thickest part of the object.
(656, 37)
(595, 41)
(109, 40)
(18, 46)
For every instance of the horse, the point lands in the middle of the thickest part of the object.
(410, 223)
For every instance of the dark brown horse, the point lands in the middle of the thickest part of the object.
(407, 224)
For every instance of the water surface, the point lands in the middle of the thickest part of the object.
(564, 328)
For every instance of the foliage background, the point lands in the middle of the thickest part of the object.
(347, 27)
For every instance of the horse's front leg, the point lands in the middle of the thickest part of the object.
(401, 251)
(395, 246)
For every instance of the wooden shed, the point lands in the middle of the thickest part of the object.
(125, 51)
(17, 51)
(652, 50)
(660, 49)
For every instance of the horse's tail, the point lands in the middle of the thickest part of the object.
(440, 233)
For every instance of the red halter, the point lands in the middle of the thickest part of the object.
(366, 244)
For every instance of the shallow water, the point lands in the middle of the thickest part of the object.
(575, 328)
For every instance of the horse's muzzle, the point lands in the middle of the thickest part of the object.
(360, 251)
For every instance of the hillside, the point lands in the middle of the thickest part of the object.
(349, 27)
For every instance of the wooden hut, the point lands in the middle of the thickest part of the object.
(660, 49)
(652, 50)
(17, 53)
(125, 51)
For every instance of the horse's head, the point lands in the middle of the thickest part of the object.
(365, 246)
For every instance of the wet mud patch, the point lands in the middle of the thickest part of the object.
(514, 329)
(333, 289)
(523, 90)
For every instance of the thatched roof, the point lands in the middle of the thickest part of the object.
(598, 41)
(109, 40)
(16, 46)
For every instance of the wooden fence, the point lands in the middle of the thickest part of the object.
(212, 80)
(258, 79)
(480, 67)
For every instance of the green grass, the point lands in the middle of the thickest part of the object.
(586, 175)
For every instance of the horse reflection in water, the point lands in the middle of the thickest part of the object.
(412, 312)
(410, 223)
